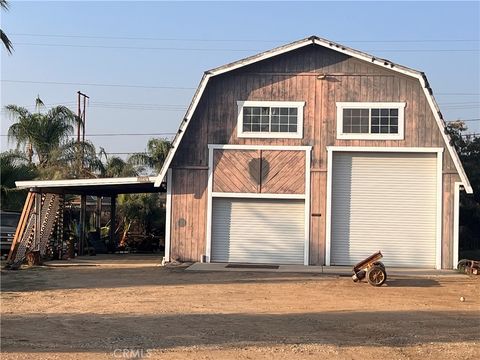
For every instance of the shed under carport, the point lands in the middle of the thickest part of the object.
(105, 187)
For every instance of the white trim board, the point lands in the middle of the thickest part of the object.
(356, 149)
(257, 196)
(211, 194)
(257, 147)
(329, 45)
(439, 222)
(456, 219)
(168, 216)
(385, 149)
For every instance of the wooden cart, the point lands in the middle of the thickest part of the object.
(371, 268)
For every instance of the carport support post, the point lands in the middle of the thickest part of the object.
(113, 211)
(83, 215)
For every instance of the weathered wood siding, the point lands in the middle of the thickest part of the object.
(294, 77)
(259, 171)
(188, 214)
(236, 171)
(283, 172)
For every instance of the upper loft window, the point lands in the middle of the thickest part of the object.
(374, 121)
(270, 119)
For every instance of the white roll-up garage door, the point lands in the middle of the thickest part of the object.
(387, 202)
(266, 231)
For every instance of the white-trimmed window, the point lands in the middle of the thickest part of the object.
(270, 119)
(374, 121)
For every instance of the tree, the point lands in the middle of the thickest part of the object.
(72, 160)
(41, 133)
(5, 40)
(157, 151)
(115, 166)
(13, 167)
(468, 149)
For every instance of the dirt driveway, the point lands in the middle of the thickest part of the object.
(158, 313)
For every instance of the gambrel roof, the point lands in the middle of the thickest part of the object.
(329, 45)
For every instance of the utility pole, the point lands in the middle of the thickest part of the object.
(82, 117)
(81, 114)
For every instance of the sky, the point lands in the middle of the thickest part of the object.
(140, 62)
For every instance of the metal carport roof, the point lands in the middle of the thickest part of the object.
(98, 187)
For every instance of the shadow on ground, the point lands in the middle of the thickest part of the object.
(396, 328)
(44, 278)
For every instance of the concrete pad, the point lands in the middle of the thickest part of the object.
(111, 260)
(327, 270)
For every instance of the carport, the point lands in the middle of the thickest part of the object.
(43, 205)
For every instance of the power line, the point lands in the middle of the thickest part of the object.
(169, 87)
(134, 47)
(230, 40)
(463, 120)
(460, 103)
(107, 103)
(121, 134)
(98, 84)
(457, 94)
(460, 107)
(226, 49)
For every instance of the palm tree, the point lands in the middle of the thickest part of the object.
(72, 160)
(41, 133)
(6, 41)
(157, 151)
(14, 166)
(115, 166)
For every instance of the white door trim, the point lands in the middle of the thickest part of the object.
(456, 218)
(211, 194)
(439, 222)
(308, 155)
(438, 151)
(257, 196)
(257, 147)
(208, 240)
(168, 215)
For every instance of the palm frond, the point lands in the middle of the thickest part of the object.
(6, 41)
(17, 111)
(140, 159)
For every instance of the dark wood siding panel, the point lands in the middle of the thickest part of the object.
(283, 172)
(188, 214)
(236, 171)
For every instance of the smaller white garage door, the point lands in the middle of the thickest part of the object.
(265, 231)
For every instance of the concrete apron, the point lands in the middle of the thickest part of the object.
(112, 260)
(327, 270)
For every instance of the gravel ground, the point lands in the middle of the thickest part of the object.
(157, 313)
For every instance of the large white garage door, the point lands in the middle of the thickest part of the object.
(387, 202)
(258, 230)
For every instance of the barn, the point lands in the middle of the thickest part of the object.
(313, 153)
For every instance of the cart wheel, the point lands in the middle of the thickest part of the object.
(376, 276)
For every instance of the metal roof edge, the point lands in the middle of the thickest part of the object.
(84, 182)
